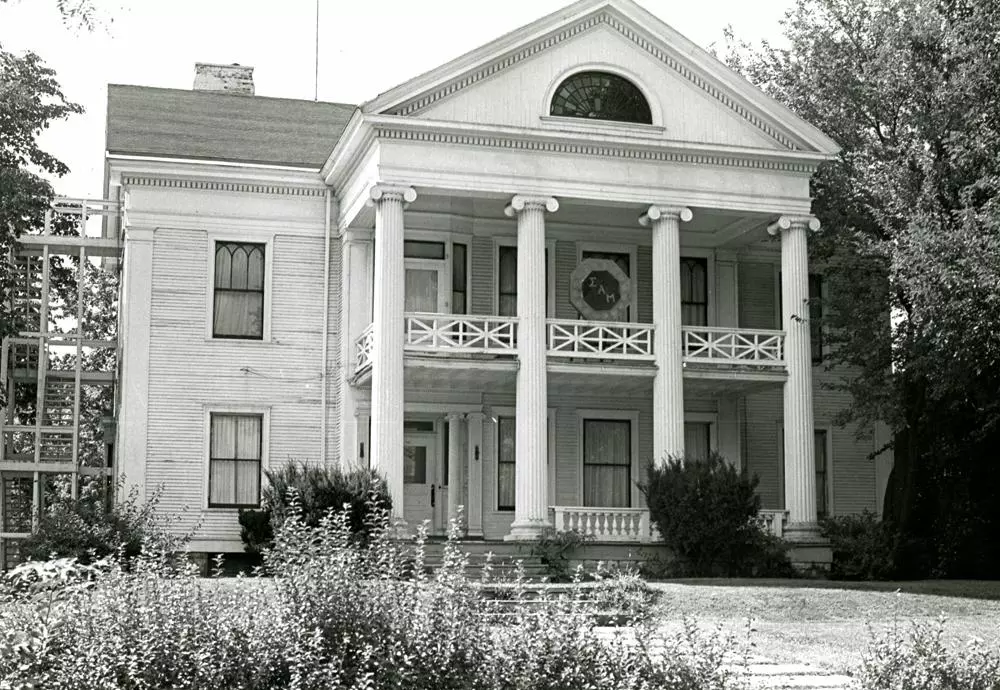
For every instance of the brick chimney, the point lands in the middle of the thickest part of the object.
(233, 78)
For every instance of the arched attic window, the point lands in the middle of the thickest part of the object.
(601, 96)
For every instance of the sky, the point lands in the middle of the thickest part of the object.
(366, 47)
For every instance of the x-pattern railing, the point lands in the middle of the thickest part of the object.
(600, 339)
(459, 333)
(733, 346)
(365, 345)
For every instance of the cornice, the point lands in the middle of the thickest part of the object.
(221, 186)
(546, 142)
(609, 19)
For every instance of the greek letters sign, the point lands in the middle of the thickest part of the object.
(600, 290)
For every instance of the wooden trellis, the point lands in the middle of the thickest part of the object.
(44, 371)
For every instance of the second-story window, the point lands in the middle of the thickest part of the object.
(507, 279)
(459, 279)
(694, 291)
(239, 291)
(816, 316)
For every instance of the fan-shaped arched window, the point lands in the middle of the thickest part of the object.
(601, 96)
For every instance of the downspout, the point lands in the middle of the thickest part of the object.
(326, 332)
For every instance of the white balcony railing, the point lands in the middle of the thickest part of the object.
(365, 345)
(460, 333)
(733, 346)
(773, 521)
(600, 339)
(604, 524)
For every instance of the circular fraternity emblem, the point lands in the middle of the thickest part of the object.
(600, 290)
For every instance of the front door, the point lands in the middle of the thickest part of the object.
(421, 492)
(425, 288)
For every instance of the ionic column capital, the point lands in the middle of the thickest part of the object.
(520, 203)
(454, 417)
(388, 192)
(656, 212)
(789, 222)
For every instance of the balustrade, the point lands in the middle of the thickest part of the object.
(604, 524)
(733, 346)
(600, 339)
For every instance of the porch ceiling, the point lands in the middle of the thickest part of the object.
(709, 227)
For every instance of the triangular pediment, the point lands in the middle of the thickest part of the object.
(693, 97)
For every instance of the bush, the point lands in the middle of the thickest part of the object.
(336, 614)
(706, 512)
(862, 547)
(922, 661)
(553, 548)
(315, 490)
(88, 529)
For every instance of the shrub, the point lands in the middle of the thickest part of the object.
(553, 548)
(316, 491)
(87, 528)
(336, 614)
(706, 512)
(862, 547)
(922, 660)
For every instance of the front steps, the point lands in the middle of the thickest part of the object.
(506, 559)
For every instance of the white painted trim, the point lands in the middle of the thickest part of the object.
(635, 498)
(511, 241)
(633, 265)
(550, 430)
(265, 445)
(207, 161)
(603, 126)
(265, 237)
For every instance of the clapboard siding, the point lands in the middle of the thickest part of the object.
(190, 374)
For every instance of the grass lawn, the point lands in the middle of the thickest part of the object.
(827, 623)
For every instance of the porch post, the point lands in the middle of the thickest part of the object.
(456, 424)
(474, 508)
(356, 282)
(800, 460)
(668, 385)
(531, 469)
(387, 360)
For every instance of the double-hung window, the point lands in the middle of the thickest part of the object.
(238, 309)
(506, 462)
(234, 462)
(822, 476)
(607, 463)
(694, 291)
(507, 279)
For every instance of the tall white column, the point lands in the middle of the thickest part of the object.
(474, 507)
(668, 385)
(456, 425)
(531, 513)
(356, 309)
(387, 362)
(800, 460)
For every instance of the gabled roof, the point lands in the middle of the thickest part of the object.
(646, 31)
(177, 123)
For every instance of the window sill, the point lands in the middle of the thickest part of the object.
(238, 341)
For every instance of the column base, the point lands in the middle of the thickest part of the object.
(808, 550)
(529, 530)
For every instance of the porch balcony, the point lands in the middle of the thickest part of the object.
(606, 342)
(632, 525)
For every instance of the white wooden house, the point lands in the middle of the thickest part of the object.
(508, 284)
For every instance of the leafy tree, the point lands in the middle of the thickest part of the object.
(910, 244)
